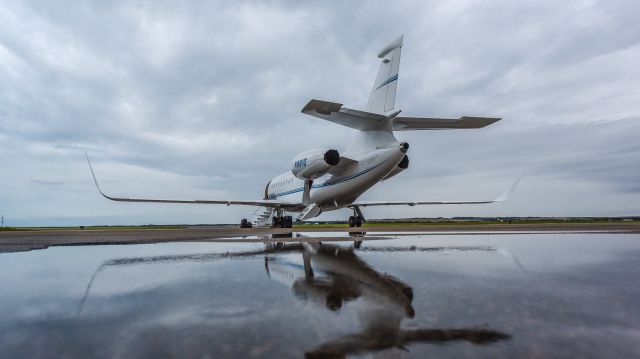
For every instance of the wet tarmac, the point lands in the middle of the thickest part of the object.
(389, 295)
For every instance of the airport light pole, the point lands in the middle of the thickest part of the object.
(2, 221)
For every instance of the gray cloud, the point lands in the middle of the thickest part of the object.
(203, 100)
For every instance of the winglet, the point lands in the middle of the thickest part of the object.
(506, 194)
(94, 176)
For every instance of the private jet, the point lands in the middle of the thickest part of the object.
(323, 179)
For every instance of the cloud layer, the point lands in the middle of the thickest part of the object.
(203, 101)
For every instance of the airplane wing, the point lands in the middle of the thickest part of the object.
(428, 123)
(501, 198)
(259, 203)
(334, 112)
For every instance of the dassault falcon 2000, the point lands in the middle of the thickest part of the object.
(323, 180)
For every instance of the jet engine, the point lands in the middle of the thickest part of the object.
(403, 165)
(312, 164)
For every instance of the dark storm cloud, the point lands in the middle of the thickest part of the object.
(203, 100)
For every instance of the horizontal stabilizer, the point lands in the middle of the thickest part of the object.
(427, 123)
(336, 113)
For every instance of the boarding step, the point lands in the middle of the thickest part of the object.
(262, 217)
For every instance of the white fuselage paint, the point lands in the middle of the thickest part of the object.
(331, 192)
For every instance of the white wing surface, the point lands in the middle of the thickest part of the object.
(261, 203)
(501, 198)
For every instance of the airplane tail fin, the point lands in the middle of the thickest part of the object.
(377, 123)
(383, 94)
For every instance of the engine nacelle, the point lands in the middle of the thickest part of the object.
(403, 165)
(312, 164)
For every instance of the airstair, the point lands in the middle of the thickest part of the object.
(262, 217)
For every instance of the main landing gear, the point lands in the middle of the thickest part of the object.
(357, 219)
(244, 223)
(282, 221)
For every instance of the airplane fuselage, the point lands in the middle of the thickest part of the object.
(337, 190)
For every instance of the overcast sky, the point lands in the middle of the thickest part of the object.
(192, 100)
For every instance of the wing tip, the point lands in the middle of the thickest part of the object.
(506, 194)
(95, 180)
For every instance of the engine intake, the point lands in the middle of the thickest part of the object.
(312, 164)
(403, 165)
(332, 157)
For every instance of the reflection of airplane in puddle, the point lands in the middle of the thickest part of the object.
(333, 276)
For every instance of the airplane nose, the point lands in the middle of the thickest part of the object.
(404, 147)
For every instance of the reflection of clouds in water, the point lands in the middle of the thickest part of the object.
(196, 257)
(233, 309)
(237, 315)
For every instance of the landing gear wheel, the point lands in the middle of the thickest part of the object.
(282, 222)
(355, 221)
(244, 223)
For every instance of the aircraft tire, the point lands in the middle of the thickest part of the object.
(244, 223)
